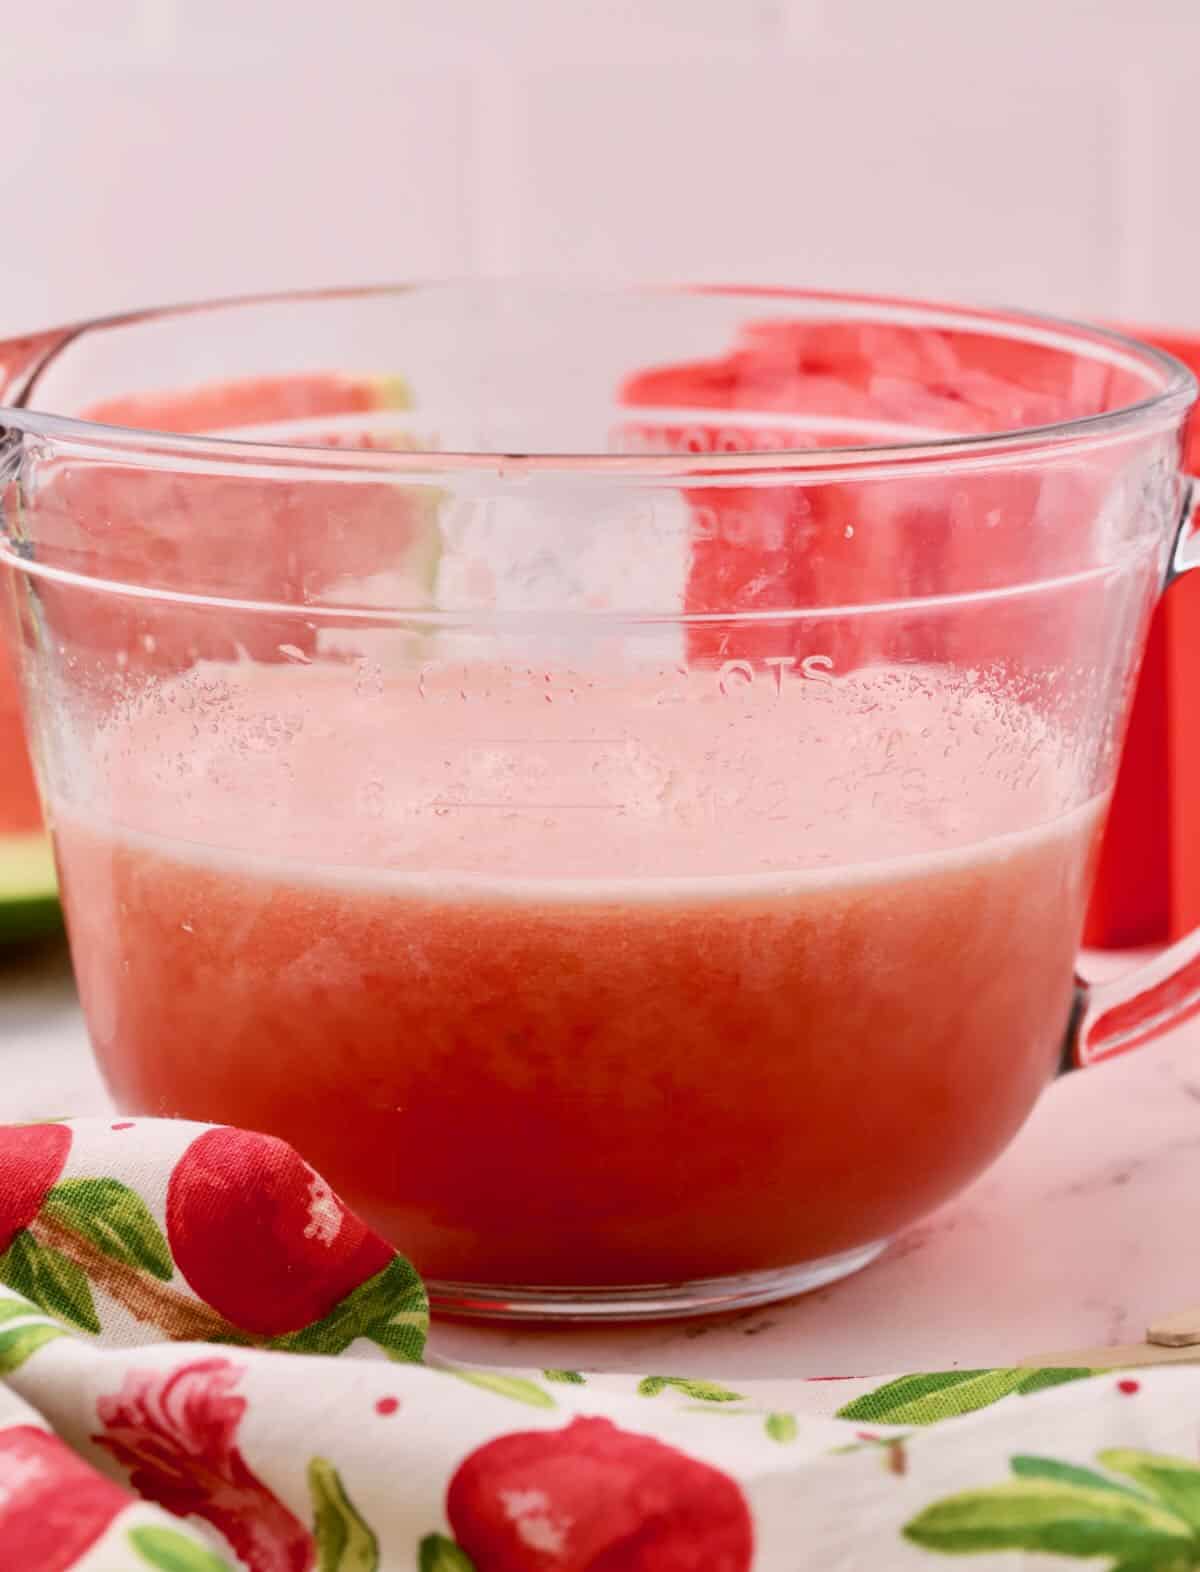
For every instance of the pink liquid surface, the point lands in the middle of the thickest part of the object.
(580, 983)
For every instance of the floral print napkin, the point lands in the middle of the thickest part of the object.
(209, 1363)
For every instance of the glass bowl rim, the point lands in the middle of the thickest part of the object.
(1023, 444)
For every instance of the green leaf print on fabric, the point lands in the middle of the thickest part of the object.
(703, 1391)
(19, 1342)
(16, 1310)
(1064, 1509)
(49, 1280)
(1064, 1473)
(439, 1554)
(943, 1394)
(781, 1427)
(115, 1219)
(344, 1541)
(570, 1377)
(519, 1388)
(390, 1309)
(167, 1550)
(1052, 1375)
(1174, 1480)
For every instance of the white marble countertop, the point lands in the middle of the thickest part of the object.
(1082, 1232)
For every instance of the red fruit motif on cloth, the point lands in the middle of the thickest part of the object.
(31, 1158)
(261, 1237)
(53, 1507)
(594, 1498)
(176, 1433)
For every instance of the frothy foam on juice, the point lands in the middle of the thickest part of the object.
(467, 773)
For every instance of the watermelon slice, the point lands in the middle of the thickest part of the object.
(275, 539)
(28, 903)
(250, 535)
(28, 889)
(252, 401)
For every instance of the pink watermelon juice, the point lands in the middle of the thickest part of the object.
(571, 983)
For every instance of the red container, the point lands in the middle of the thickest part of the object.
(1148, 886)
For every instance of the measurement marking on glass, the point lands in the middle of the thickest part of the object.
(534, 807)
(539, 742)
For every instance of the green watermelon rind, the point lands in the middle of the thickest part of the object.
(29, 907)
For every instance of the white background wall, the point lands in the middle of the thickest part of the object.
(1045, 152)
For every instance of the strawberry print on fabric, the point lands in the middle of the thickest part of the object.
(592, 1497)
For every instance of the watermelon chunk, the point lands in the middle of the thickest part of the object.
(787, 544)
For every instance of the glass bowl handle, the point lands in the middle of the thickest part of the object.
(1123, 1012)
